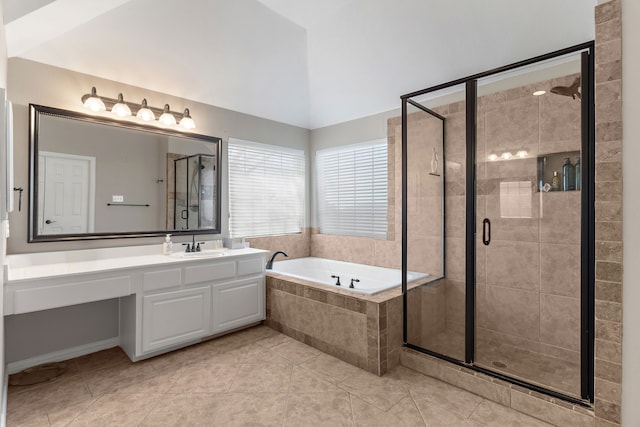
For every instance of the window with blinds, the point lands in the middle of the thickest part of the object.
(266, 189)
(352, 189)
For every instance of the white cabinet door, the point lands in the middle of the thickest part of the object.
(175, 317)
(238, 304)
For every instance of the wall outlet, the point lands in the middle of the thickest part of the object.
(117, 199)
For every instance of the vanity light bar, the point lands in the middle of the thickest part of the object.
(163, 116)
(521, 154)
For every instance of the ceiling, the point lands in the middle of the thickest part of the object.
(309, 63)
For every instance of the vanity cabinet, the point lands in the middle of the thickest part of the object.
(165, 302)
(202, 297)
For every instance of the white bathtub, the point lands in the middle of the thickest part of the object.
(319, 270)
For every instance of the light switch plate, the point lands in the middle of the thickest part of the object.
(117, 199)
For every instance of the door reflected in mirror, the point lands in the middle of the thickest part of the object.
(99, 178)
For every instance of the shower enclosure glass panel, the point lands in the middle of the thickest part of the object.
(528, 206)
(435, 147)
(195, 183)
(516, 300)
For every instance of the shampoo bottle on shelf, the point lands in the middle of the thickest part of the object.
(167, 246)
(555, 182)
(568, 175)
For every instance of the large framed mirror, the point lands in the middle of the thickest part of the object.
(93, 177)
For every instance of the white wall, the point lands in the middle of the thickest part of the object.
(631, 207)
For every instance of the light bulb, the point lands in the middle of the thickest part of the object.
(493, 157)
(94, 103)
(187, 122)
(522, 154)
(506, 155)
(145, 112)
(539, 92)
(167, 118)
(121, 109)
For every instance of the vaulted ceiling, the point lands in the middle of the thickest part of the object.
(309, 63)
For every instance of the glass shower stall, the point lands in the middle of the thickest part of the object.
(195, 184)
(498, 206)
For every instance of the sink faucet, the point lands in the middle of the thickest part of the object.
(193, 247)
(270, 263)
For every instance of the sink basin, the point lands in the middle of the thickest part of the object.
(203, 254)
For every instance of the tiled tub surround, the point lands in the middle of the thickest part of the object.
(356, 278)
(364, 330)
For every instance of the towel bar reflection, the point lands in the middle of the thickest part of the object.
(128, 204)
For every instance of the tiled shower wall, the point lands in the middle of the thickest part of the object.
(608, 375)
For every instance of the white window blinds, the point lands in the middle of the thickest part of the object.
(352, 189)
(266, 189)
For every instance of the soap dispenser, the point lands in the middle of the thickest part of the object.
(167, 246)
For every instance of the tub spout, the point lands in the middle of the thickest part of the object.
(270, 263)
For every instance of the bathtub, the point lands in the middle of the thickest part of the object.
(319, 270)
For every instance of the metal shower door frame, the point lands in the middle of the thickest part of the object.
(587, 252)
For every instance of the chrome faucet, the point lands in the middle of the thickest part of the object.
(270, 263)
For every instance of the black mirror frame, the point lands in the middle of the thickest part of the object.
(34, 124)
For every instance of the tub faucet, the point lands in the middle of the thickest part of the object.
(337, 279)
(270, 263)
(353, 280)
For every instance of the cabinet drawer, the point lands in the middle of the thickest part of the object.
(161, 279)
(176, 317)
(210, 272)
(44, 298)
(250, 266)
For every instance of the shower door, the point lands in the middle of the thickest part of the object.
(528, 232)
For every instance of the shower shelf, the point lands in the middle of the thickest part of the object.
(550, 162)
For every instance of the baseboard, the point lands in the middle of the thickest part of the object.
(57, 356)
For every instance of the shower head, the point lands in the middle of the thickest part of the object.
(571, 91)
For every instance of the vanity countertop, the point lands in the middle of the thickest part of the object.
(22, 267)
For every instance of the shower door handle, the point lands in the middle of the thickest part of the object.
(486, 231)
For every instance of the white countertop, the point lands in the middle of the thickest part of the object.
(22, 267)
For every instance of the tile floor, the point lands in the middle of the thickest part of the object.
(255, 377)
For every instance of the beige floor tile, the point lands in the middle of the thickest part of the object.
(366, 415)
(262, 378)
(491, 414)
(252, 409)
(306, 381)
(296, 352)
(44, 397)
(318, 409)
(258, 354)
(117, 410)
(381, 392)
(407, 411)
(188, 409)
(33, 420)
(205, 378)
(101, 359)
(274, 340)
(435, 416)
(332, 368)
(453, 399)
(129, 378)
(64, 415)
